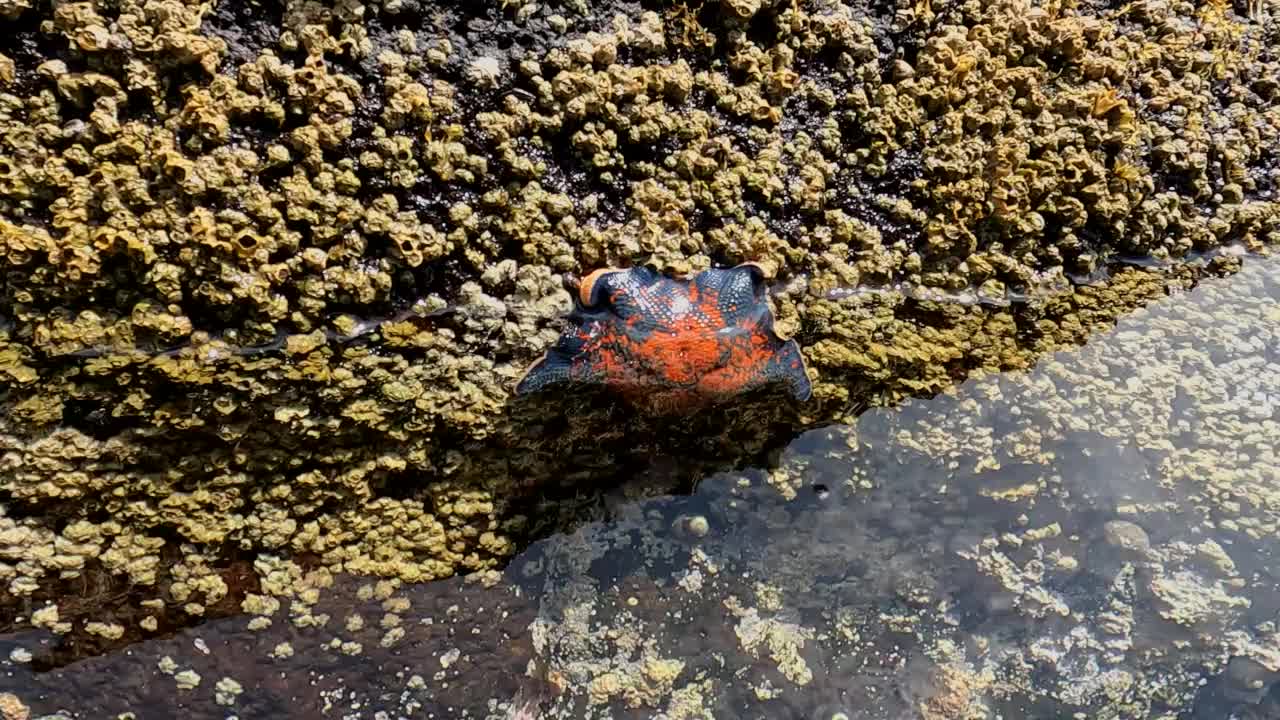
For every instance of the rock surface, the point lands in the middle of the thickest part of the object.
(1093, 538)
(270, 268)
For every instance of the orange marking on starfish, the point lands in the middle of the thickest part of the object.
(587, 286)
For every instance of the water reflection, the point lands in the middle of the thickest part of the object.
(1095, 538)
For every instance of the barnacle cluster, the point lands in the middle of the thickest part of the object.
(204, 206)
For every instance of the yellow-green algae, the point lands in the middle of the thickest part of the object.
(180, 181)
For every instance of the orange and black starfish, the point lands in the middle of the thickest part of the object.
(672, 343)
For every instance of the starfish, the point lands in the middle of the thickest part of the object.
(672, 344)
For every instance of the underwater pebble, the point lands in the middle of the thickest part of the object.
(695, 526)
(226, 691)
(187, 679)
(12, 708)
(282, 651)
(1125, 535)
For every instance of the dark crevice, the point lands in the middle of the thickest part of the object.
(247, 26)
(28, 47)
(95, 419)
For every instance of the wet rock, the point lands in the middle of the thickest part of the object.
(928, 582)
(11, 708)
(1247, 680)
(1127, 538)
(270, 273)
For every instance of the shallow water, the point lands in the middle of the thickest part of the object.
(1095, 538)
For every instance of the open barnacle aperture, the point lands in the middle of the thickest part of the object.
(672, 343)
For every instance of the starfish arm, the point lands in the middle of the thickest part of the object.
(787, 367)
(549, 370)
(562, 364)
(734, 296)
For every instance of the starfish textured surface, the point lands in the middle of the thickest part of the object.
(671, 342)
